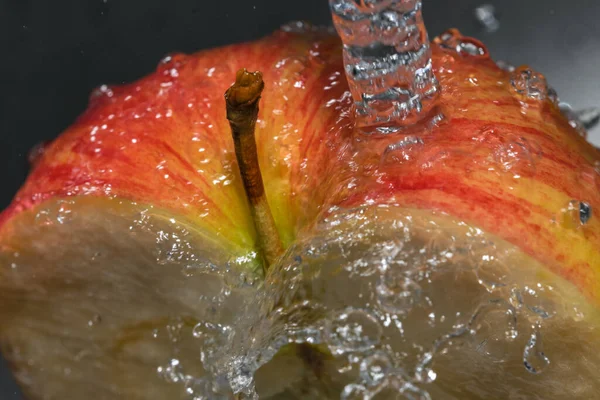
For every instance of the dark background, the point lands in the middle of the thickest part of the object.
(54, 52)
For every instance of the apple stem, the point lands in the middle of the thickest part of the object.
(242, 100)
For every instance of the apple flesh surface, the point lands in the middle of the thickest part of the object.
(455, 265)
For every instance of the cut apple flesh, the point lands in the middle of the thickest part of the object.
(110, 299)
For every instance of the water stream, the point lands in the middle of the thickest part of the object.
(387, 59)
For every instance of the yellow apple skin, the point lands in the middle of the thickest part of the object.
(495, 158)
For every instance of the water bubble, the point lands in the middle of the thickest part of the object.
(375, 368)
(574, 215)
(528, 83)
(534, 359)
(485, 14)
(353, 330)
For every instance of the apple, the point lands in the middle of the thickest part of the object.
(457, 258)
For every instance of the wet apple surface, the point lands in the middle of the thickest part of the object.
(453, 258)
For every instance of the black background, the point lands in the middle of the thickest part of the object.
(54, 52)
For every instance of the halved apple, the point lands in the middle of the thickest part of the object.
(458, 258)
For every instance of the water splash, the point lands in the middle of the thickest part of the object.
(387, 59)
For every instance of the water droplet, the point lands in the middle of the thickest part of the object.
(353, 330)
(170, 66)
(375, 368)
(505, 66)
(103, 92)
(517, 156)
(528, 83)
(485, 14)
(585, 212)
(453, 40)
(534, 359)
(574, 215)
(298, 27)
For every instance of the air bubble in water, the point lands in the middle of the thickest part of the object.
(353, 330)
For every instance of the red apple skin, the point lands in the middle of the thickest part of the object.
(498, 160)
